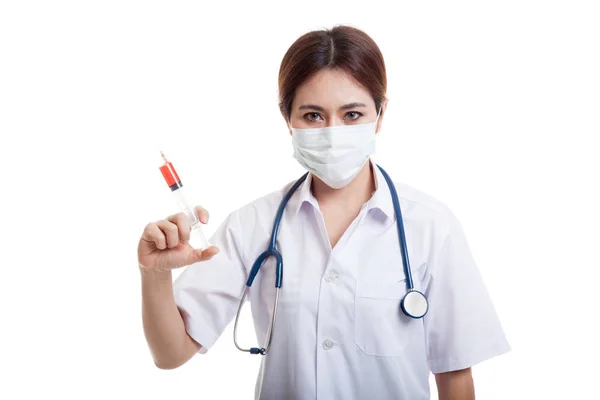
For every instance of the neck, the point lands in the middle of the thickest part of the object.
(356, 193)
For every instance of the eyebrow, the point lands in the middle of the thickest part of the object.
(319, 108)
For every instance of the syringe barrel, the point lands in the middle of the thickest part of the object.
(197, 237)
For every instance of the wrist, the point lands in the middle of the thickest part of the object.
(154, 272)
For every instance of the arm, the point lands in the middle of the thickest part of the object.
(455, 385)
(170, 344)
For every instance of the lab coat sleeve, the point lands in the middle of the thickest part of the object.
(462, 327)
(207, 293)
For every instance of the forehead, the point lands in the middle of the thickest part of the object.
(330, 88)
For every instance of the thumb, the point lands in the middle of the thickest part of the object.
(197, 255)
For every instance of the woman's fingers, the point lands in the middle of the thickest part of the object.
(152, 233)
(202, 214)
(171, 232)
(183, 226)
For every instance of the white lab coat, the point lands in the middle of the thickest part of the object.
(340, 332)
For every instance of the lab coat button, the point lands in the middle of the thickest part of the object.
(331, 276)
(328, 344)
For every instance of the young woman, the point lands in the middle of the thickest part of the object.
(344, 329)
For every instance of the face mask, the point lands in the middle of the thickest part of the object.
(335, 154)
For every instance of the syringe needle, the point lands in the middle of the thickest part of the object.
(163, 156)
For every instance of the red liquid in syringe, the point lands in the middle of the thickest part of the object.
(197, 237)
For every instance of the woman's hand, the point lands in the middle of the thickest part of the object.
(164, 244)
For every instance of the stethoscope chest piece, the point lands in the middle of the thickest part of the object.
(414, 304)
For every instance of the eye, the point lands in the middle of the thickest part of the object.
(312, 117)
(354, 115)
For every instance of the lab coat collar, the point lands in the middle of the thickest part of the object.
(303, 195)
(381, 198)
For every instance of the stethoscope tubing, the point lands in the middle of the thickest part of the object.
(400, 227)
(270, 252)
(273, 252)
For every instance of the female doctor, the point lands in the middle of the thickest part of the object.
(343, 329)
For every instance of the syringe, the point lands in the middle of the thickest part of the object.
(197, 238)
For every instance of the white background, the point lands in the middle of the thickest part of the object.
(494, 110)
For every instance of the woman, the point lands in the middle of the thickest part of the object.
(340, 332)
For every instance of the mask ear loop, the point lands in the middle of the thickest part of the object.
(377, 120)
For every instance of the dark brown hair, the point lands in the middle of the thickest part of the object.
(342, 47)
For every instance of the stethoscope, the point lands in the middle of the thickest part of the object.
(414, 303)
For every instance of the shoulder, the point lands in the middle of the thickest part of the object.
(427, 209)
(438, 227)
(262, 209)
(423, 202)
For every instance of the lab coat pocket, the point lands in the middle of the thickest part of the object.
(380, 326)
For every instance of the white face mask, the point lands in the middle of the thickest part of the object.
(335, 154)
